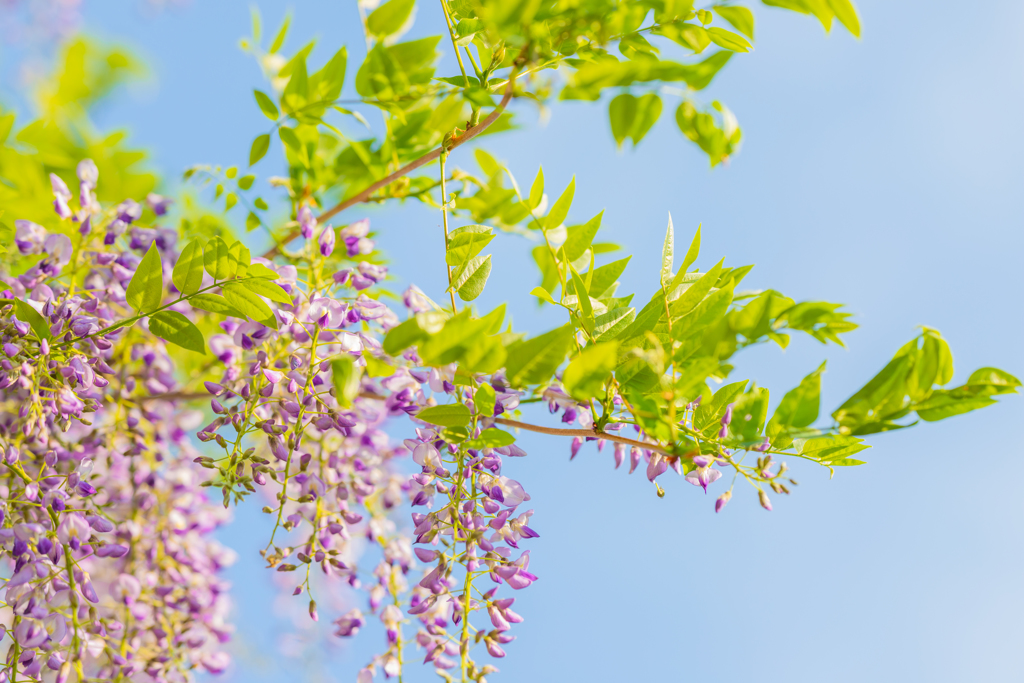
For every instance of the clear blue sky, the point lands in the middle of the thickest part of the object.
(884, 173)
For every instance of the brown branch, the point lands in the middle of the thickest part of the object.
(556, 431)
(551, 431)
(411, 166)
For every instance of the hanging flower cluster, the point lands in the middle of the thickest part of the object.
(105, 523)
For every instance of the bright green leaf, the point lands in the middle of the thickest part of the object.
(666, 256)
(741, 18)
(259, 148)
(249, 303)
(585, 376)
(390, 17)
(177, 329)
(484, 400)
(34, 318)
(268, 289)
(346, 378)
(579, 237)
(188, 271)
(267, 105)
(556, 216)
(454, 415)
(146, 288)
(214, 303)
(847, 15)
(535, 360)
(471, 278)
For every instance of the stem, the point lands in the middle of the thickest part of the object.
(451, 33)
(413, 165)
(556, 431)
(147, 314)
(444, 216)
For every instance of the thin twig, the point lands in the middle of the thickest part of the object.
(413, 165)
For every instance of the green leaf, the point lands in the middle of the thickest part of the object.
(260, 270)
(281, 34)
(542, 293)
(6, 124)
(556, 216)
(847, 15)
(259, 148)
(547, 266)
(466, 242)
(146, 288)
(326, 84)
(188, 271)
(707, 313)
(470, 280)
(412, 331)
(214, 303)
(943, 404)
(484, 399)
(690, 258)
(648, 111)
(270, 290)
(748, 415)
(346, 378)
(34, 318)
(217, 258)
(741, 18)
(267, 105)
(605, 276)
(290, 139)
(799, 408)
(240, 258)
(1000, 380)
(622, 115)
(296, 93)
(693, 295)
(491, 438)
(830, 450)
(375, 367)
(883, 395)
(666, 256)
(579, 237)
(177, 329)
(585, 376)
(390, 17)
(728, 39)
(252, 221)
(246, 181)
(611, 323)
(537, 189)
(535, 360)
(466, 340)
(249, 303)
(583, 299)
(709, 413)
(454, 415)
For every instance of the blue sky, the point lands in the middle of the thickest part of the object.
(884, 173)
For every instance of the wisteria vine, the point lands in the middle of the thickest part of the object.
(117, 329)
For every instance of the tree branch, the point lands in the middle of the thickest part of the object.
(556, 431)
(413, 165)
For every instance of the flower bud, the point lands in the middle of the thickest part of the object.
(766, 502)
